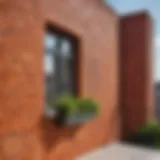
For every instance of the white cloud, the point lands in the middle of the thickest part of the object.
(157, 42)
(157, 58)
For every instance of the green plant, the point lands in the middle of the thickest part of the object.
(87, 106)
(149, 135)
(66, 103)
(75, 106)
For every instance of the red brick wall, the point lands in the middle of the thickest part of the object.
(25, 132)
(136, 70)
(97, 29)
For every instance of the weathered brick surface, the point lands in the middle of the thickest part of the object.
(96, 26)
(136, 71)
(22, 146)
(21, 82)
(22, 77)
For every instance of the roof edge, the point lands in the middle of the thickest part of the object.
(109, 7)
(144, 12)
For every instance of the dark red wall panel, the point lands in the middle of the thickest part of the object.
(136, 70)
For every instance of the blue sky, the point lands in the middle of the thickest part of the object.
(126, 6)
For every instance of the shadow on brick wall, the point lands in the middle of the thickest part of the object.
(51, 135)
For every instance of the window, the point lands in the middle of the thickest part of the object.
(60, 64)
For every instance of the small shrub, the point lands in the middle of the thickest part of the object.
(74, 106)
(148, 136)
(87, 106)
(66, 103)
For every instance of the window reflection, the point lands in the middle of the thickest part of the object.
(59, 65)
(66, 48)
(50, 41)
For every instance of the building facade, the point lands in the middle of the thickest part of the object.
(157, 101)
(112, 67)
(136, 74)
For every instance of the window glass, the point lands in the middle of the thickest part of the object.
(59, 65)
(66, 48)
(50, 41)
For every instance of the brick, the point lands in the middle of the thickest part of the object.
(24, 146)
